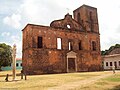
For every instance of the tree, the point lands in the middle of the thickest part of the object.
(5, 55)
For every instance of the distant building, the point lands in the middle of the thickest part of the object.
(112, 59)
(67, 45)
(18, 65)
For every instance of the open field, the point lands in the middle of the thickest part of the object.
(111, 82)
(69, 81)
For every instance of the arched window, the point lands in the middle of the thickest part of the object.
(91, 21)
(78, 17)
(90, 15)
(80, 45)
(40, 42)
(93, 45)
(68, 26)
(70, 46)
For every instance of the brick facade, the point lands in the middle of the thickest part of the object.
(79, 46)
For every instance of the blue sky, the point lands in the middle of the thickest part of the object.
(15, 14)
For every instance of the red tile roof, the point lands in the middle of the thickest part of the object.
(18, 58)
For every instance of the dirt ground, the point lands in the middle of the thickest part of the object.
(82, 83)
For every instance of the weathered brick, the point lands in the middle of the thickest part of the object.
(49, 59)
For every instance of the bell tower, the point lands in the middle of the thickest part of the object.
(87, 17)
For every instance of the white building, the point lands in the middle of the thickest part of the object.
(111, 60)
(18, 65)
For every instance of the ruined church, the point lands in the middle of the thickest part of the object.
(71, 44)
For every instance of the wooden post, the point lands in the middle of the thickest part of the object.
(25, 76)
(6, 79)
(21, 74)
(14, 61)
(67, 65)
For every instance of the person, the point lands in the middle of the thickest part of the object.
(113, 68)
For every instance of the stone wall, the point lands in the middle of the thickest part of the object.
(49, 59)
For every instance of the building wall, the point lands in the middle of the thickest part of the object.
(85, 18)
(112, 59)
(49, 59)
(19, 62)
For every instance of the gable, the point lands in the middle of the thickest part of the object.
(71, 54)
(67, 23)
(115, 51)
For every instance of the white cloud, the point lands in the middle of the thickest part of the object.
(5, 34)
(15, 39)
(44, 11)
(13, 21)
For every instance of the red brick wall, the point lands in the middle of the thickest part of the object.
(85, 17)
(51, 60)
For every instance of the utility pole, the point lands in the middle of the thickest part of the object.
(14, 61)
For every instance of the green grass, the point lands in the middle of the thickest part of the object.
(109, 83)
(114, 78)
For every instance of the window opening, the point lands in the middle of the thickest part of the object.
(40, 42)
(93, 45)
(68, 26)
(59, 43)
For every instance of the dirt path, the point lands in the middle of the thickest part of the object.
(82, 83)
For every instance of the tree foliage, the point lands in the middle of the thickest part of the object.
(5, 55)
(106, 52)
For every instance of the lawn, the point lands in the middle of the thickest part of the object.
(44, 82)
(109, 83)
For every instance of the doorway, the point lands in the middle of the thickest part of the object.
(71, 64)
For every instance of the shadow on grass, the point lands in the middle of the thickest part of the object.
(116, 88)
(11, 81)
(10, 75)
